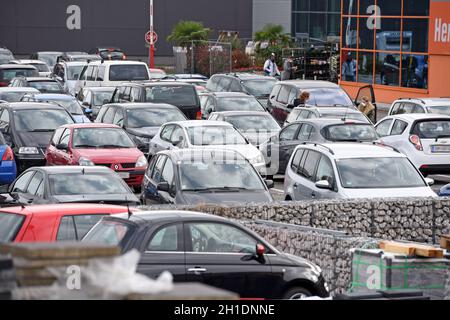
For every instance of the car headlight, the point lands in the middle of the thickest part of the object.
(258, 159)
(85, 162)
(28, 150)
(141, 162)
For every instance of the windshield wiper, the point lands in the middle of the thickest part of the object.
(42, 130)
(85, 146)
(229, 189)
(113, 146)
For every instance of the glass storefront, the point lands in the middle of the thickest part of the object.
(385, 42)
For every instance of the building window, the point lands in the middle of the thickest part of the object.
(388, 40)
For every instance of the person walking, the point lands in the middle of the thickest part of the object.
(270, 66)
(288, 69)
(349, 68)
(367, 108)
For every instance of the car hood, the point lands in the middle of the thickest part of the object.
(35, 139)
(118, 199)
(389, 192)
(257, 138)
(248, 151)
(148, 132)
(112, 155)
(226, 198)
(301, 262)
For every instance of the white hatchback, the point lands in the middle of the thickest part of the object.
(424, 138)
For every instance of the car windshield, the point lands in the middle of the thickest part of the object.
(239, 104)
(432, 129)
(378, 173)
(139, 118)
(254, 122)
(101, 96)
(11, 96)
(329, 97)
(10, 225)
(128, 72)
(101, 138)
(87, 183)
(350, 132)
(40, 119)
(73, 72)
(215, 135)
(259, 88)
(439, 110)
(70, 105)
(108, 233)
(351, 116)
(9, 74)
(46, 86)
(174, 95)
(41, 67)
(230, 174)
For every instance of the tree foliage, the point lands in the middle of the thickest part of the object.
(273, 34)
(186, 31)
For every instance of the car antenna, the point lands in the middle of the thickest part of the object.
(345, 115)
(130, 213)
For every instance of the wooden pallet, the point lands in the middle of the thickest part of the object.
(445, 241)
(412, 249)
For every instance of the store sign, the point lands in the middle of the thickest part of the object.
(439, 34)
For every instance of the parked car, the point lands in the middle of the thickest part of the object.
(49, 57)
(44, 70)
(445, 191)
(6, 55)
(111, 73)
(424, 138)
(256, 126)
(312, 112)
(140, 120)
(10, 71)
(51, 223)
(43, 84)
(8, 169)
(416, 105)
(15, 94)
(69, 184)
(278, 149)
(28, 127)
(182, 95)
(100, 144)
(109, 53)
(342, 170)
(68, 102)
(67, 74)
(157, 74)
(205, 134)
(95, 97)
(197, 247)
(258, 86)
(193, 177)
(228, 101)
(78, 56)
(322, 94)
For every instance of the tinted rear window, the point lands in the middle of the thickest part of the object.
(89, 183)
(10, 225)
(432, 129)
(9, 74)
(174, 95)
(128, 72)
(349, 132)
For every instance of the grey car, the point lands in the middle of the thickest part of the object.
(312, 112)
(202, 176)
(278, 149)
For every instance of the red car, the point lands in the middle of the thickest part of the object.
(88, 144)
(49, 223)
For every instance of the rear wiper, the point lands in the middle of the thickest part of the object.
(216, 189)
(442, 137)
(41, 130)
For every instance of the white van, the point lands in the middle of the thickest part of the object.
(111, 73)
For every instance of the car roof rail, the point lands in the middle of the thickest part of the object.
(319, 145)
(3, 101)
(379, 144)
(413, 99)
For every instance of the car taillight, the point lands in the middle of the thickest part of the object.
(198, 116)
(3, 84)
(8, 155)
(124, 57)
(415, 140)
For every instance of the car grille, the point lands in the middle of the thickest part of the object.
(123, 165)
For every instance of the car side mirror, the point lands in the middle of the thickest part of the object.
(269, 183)
(177, 142)
(323, 184)
(163, 186)
(260, 250)
(429, 181)
(62, 146)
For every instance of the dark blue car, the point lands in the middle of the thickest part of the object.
(8, 170)
(445, 191)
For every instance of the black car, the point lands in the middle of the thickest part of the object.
(140, 120)
(196, 176)
(43, 84)
(228, 101)
(182, 95)
(10, 71)
(109, 53)
(69, 184)
(197, 247)
(28, 127)
(258, 86)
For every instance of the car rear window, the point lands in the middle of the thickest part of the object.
(109, 232)
(175, 95)
(9, 74)
(10, 225)
(46, 86)
(432, 129)
(350, 132)
(439, 110)
(128, 72)
(88, 183)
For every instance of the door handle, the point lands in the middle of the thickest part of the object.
(313, 194)
(295, 186)
(197, 270)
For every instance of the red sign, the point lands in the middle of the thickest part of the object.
(439, 36)
(149, 34)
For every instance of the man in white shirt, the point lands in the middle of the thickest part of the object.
(270, 66)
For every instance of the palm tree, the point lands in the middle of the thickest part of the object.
(184, 32)
(274, 34)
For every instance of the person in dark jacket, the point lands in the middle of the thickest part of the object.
(288, 69)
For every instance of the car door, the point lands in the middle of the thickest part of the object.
(279, 108)
(109, 115)
(271, 102)
(325, 171)
(19, 187)
(152, 179)
(222, 255)
(395, 137)
(75, 227)
(62, 157)
(35, 190)
(367, 91)
(5, 126)
(164, 251)
(162, 141)
(177, 139)
(51, 152)
(168, 175)
(287, 143)
(119, 117)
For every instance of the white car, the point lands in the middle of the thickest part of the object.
(424, 138)
(111, 73)
(349, 170)
(67, 73)
(207, 135)
(43, 68)
(416, 105)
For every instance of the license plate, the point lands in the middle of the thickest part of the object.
(124, 175)
(440, 148)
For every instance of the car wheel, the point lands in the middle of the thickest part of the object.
(296, 293)
(288, 198)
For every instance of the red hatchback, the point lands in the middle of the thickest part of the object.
(49, 223)
(89, 144)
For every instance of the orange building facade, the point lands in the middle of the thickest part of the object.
(401, 47)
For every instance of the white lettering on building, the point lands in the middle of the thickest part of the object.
(441, 31)
(374, 21)
(73, 21)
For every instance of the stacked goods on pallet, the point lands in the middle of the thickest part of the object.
(39, 264)
(400, 266)
(7, 278)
